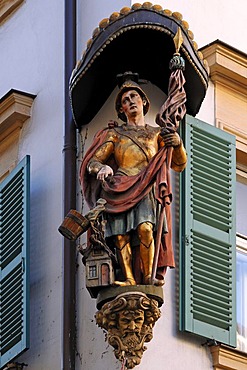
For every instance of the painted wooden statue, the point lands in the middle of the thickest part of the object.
(128, 165)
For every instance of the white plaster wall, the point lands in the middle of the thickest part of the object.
(90, 13)
(211, 20)
(31, 44)
(169, 348)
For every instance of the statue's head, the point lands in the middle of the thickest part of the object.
(131, 321)
(129, 81)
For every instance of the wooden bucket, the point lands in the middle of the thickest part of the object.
(73, 225)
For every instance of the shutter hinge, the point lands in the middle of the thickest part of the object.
(186, 239)
(210, 343)
(23, 264)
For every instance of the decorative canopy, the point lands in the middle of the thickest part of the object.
(137, 39)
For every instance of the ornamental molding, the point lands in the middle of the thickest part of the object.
(15, 109)
(228, 66)
(7, 7)
(226, 358)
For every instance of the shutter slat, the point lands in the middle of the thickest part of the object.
(198, 185)
(215, 185)
(15, 246)
(13, 215)
(213, 172)
(9, 232)
(13, 201)
(211, 221)
(213, 296)
(198, 270)
(218, 247)
(212, 201)
(217, 200)
(212, 143)
(199, 171)
(15, 320)
(215, 161)
(211, 209)
(218, 261)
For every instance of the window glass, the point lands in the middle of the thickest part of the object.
(241, 208)
(242, 299)
(241, 219)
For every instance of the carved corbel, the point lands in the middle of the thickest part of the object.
(129, 320)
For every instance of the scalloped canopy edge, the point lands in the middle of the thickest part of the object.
(138, 39)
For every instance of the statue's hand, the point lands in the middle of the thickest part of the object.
(171, 139)
(104, 172)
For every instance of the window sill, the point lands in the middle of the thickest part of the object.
(226, 358)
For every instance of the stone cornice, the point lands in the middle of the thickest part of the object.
(227, 65)
(7, 7)
(15, 108)
(227, 358)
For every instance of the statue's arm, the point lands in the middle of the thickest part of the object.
(179, 156)
(97, 164)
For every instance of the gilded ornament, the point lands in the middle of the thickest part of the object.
(178, 16)
(191, 34)
(136, 6)
(125, 10)
(195, 45)
(89, 43)
(185, 25)
(157, 8)
(147, 5)
(200, 55)
(96, 32)
(205, 62)
(178, 40)
(114, 16)
(103, 23)
(168, 12)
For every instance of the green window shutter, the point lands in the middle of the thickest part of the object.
(208, 233)
(14, 262)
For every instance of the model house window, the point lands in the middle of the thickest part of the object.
(92, 272)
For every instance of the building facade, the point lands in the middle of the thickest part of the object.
(55, 327)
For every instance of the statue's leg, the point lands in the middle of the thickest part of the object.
(145, 233)
(125, 259)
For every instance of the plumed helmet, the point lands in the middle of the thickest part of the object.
(129, 81)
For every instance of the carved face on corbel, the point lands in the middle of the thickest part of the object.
(129, 321)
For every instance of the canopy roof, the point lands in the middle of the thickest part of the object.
(138, 39)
